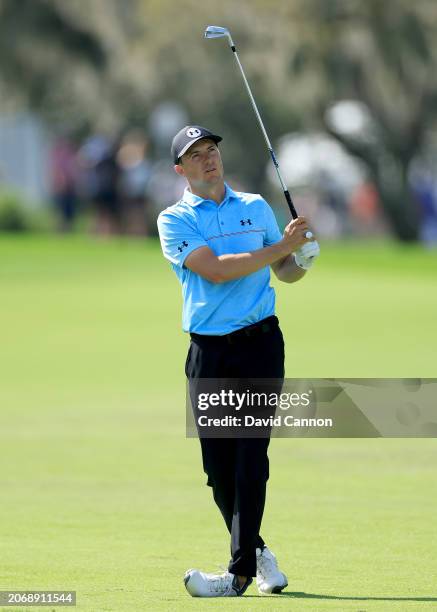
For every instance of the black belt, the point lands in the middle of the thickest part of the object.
(251, 331)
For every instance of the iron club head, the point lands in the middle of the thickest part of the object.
(216, 32)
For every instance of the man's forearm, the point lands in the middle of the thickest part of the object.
(236, 265)
(287, 270)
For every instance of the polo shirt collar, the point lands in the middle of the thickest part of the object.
(194, 200)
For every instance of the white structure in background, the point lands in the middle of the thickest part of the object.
(314, 165)
(24, 149)
(352, 119)
(305, 158)
(165, 187)
(165, 121)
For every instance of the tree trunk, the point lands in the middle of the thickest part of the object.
(397, 200)
(389, 173)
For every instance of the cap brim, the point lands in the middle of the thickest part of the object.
(213, 137)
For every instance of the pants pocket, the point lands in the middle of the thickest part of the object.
(187, 362)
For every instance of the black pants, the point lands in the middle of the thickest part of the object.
(238, 468)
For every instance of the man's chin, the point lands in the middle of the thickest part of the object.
(213, 177)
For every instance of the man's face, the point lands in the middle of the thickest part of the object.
(202, 164)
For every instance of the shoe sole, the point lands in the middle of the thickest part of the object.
(278, 589)
(275, 591)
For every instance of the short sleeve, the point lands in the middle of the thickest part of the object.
(179, 237)
(272, 235)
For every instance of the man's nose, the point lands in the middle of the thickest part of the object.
(207, 154)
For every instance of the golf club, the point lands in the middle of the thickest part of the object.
(219, 32)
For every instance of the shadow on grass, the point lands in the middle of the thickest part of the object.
(300, 595)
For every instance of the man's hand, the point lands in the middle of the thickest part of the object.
(305, 255)
(294, 236)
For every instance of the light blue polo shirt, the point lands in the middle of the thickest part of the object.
(242, 222)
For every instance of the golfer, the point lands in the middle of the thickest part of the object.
(221, 244)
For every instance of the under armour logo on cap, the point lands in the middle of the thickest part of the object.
(186, 137)
(193, 132)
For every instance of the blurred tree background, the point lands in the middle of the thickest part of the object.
(106, 64)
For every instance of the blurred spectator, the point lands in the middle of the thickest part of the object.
(424, 185)
(100, 177)
(63, 179)
(135, 171)
(365, 212)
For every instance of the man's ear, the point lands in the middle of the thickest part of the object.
(179, 169)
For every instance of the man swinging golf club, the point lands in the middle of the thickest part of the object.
(221, 244)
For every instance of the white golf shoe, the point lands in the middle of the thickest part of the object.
(199, 584)
(268, 577)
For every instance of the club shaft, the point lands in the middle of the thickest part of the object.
(266, 138)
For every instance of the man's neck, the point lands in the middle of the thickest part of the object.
(215, 192)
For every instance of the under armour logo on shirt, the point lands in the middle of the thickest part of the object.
(182, 246)
(248, 221)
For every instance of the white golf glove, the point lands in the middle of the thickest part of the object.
(305, 256)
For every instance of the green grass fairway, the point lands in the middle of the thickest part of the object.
(102, 493)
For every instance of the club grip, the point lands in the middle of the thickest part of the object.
(293, 211)
(290, 204)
